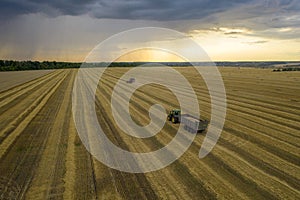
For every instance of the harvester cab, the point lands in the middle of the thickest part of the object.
(174, 116)
(131, 80)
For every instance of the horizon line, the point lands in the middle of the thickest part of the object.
(218, 61)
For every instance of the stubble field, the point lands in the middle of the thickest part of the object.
(256, 157)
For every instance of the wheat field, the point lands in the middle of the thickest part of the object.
(256, 157)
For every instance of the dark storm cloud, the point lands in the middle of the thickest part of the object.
(257, 14)
(11, 8)
(160, 10)
(30, 26)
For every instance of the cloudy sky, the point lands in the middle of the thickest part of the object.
(229, 30)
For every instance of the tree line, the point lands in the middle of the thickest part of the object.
(287, 69)
(10, 65)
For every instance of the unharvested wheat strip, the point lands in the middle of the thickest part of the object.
(166, 184)
(11, 122)
(217, 179)
(18, 130)
(84, 180)
(69, 192)
(107, 181)
(43, 179)
(12, 94)
(69, 178)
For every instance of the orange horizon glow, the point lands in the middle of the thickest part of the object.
(218, 46)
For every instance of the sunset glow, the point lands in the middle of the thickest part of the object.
(253, 30)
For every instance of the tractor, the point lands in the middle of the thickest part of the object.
(174, 116)
(191, 124)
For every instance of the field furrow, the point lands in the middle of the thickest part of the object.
(43, 157)
(49, 183)
(201, 166)
(291, 171)
(24, 149)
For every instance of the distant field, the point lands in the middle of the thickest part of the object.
(257, 156)
(10, 79)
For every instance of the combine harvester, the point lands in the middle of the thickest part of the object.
(191, 124)
(131, 80)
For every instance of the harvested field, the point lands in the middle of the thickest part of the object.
(14, 78)
(256, 157)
